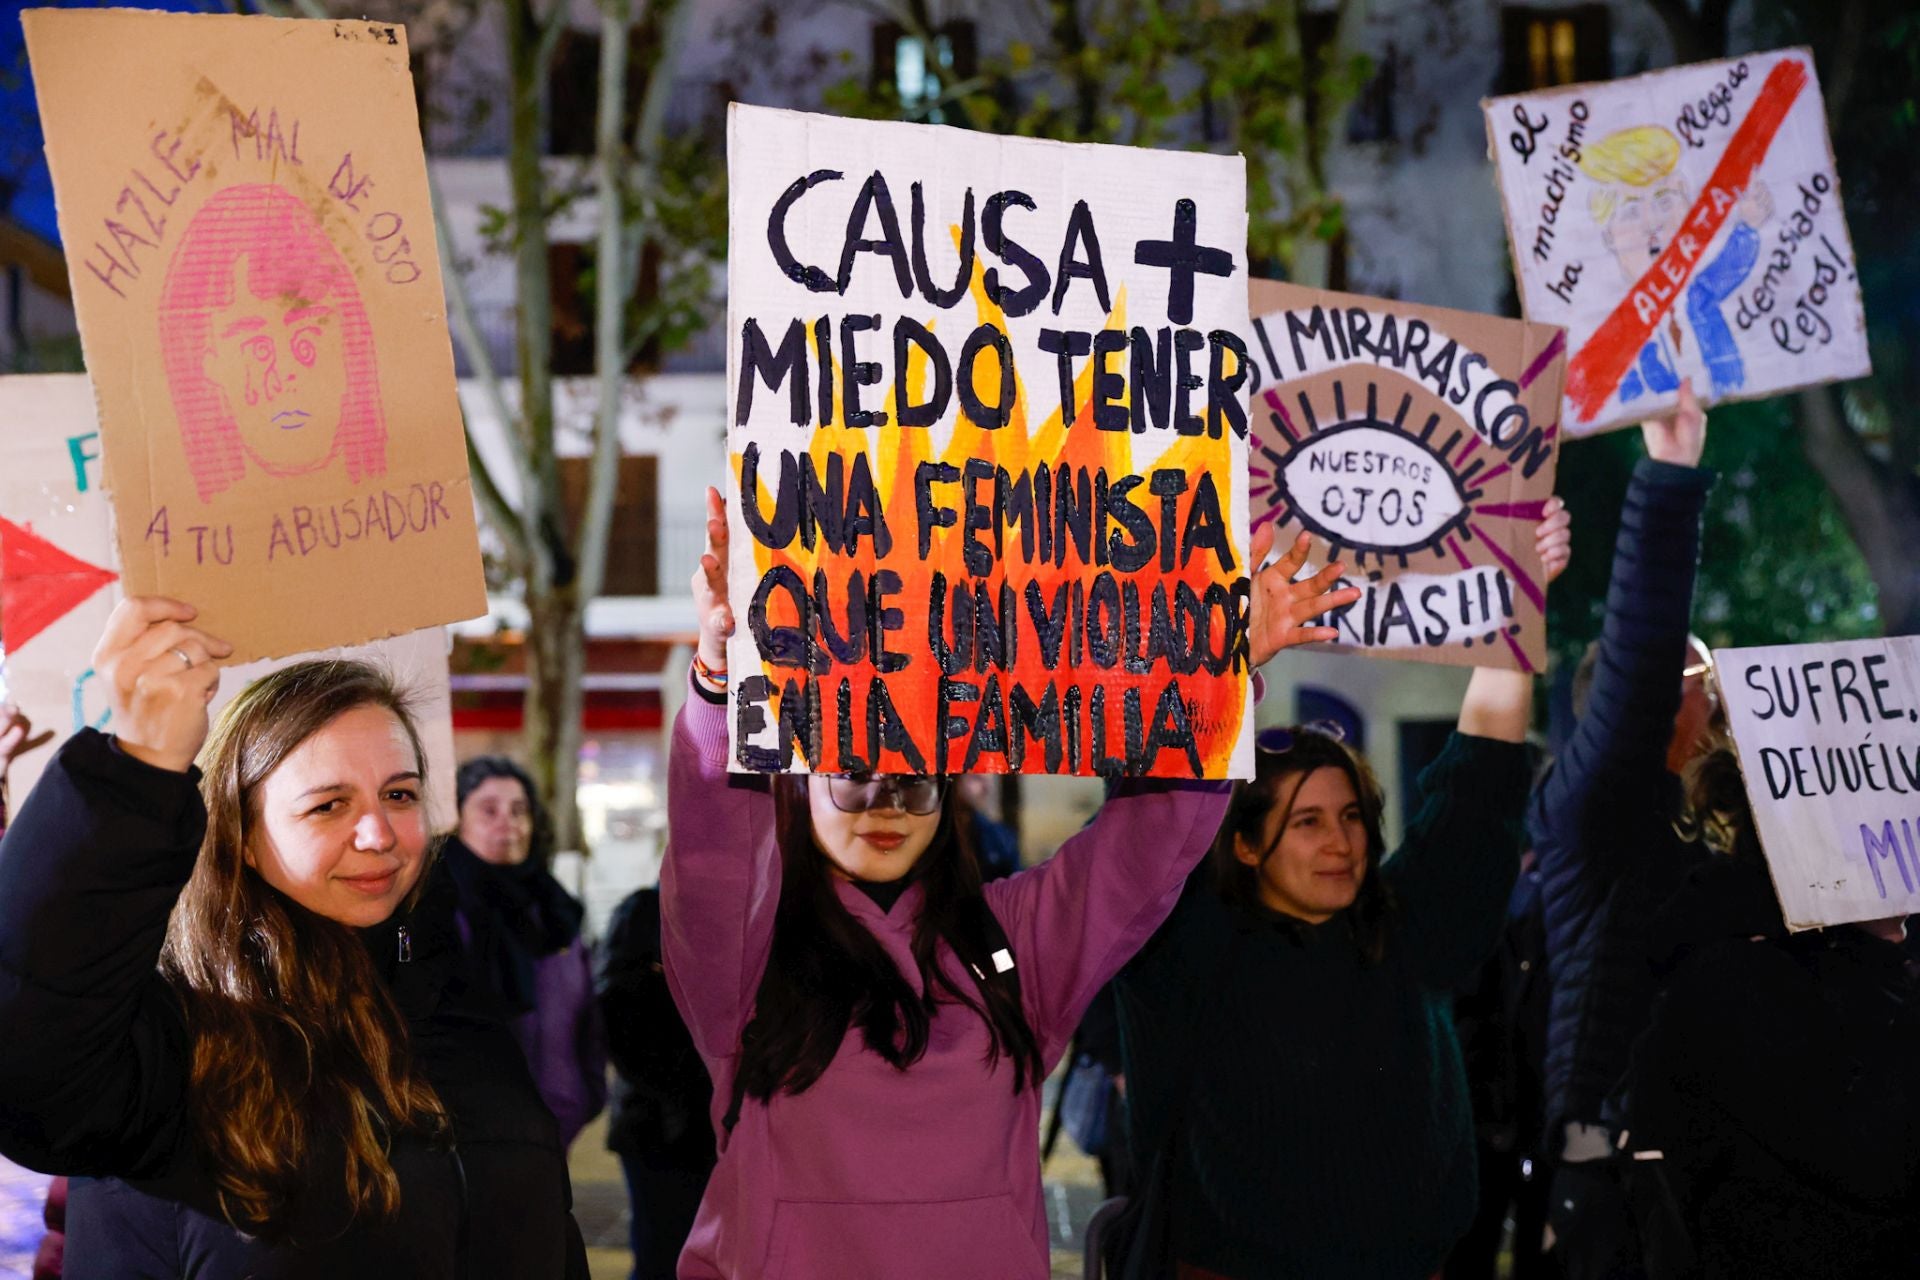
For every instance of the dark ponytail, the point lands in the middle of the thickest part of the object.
(827, 973)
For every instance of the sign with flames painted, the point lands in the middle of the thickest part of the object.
(1420, 443)
(988, 491)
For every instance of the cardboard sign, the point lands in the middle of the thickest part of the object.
(988, 482)
(244, 206)
(59, 581)
(1683, 223)
(1829, 742)
(1420, 445)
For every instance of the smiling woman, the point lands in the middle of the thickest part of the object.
(268, 349)
(237, 1007)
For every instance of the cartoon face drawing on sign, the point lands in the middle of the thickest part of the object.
(1640, 201)
(269, 354)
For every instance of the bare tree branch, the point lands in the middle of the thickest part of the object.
(467, 330)
(590, 546)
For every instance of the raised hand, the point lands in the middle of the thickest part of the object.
(1681, 436)
(710, 587)
(160, 676)
(1553, 538)
(1281, 607)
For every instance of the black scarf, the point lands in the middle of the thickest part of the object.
(515, 916)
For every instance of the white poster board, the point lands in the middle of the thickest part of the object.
(1829, 742)
(988, 447)
(57, 524)
(1683, 223)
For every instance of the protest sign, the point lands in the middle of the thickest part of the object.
(59, 581)
(243, 203)
(1683, 223)
(1829, 743)
(1420, 444)
(987, 493)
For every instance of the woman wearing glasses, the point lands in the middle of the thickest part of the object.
(876, 1021)
(1295, 1091)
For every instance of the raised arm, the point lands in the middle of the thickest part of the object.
(1619, 746)
(720, 884)
(1455, 870)
(1076, 918)
(94, 1056)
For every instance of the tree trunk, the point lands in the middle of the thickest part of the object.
(556, 661)
(1880, 505)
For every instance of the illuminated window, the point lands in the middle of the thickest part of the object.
(1548, 47)
(917, 71)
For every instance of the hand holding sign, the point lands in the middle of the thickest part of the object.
(1679, 437)
(1553, 538)
(710, 587)
(162, 676)
(1281, 608)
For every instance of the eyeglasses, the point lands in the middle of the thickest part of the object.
(859, 792)
(1279, 741)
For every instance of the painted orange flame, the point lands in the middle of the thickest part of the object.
(1215, 706)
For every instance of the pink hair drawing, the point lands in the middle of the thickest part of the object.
(289, 256)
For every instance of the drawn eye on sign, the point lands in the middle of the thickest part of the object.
(1362, 483)
(1418, 445)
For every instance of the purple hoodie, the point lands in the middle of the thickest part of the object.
(932, 1173)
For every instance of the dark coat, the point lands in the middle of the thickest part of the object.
(1777, 1085)
(1603, 819)
(661, 1093)
(95, 1059)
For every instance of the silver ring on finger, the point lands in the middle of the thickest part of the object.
(186, 659)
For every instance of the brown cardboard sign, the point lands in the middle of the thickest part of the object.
(59, 584)
(244, 206)
(1420, 445)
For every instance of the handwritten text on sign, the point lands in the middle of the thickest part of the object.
(1681, 224)
(988, 497)
(1829, 740)
(1419, 444)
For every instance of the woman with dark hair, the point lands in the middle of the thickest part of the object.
(876, 1020)
(1296, 1099)
(229, 996)
(521, 933)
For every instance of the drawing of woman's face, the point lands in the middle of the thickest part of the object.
(280, 366)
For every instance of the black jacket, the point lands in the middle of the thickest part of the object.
(1777, 1085)
(661, 1093)
(95, 1056)
(1602, 821)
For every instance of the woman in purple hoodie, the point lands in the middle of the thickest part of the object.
(875, 1019)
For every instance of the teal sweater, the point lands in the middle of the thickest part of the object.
(1324, 1126)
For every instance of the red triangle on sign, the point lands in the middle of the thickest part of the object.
(39, 584)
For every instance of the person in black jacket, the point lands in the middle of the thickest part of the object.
(661, 1093)
(234, 1017)
(1773, 1118)
(1609, 826)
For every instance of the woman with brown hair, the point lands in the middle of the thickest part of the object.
(227, 1008)
(1296, 1100)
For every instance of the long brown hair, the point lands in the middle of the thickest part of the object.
(827, 973)
(297, 1045)
(1278, 777)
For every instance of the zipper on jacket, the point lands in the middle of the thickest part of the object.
(403, 945)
